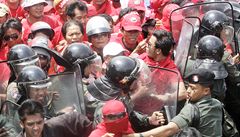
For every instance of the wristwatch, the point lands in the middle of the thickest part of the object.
(141, 135)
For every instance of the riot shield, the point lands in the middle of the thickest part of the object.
(160, 94)
(198, 11)
(68, 86)
(185, 49)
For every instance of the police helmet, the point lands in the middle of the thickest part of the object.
(210, 47)
(213, 22)
(20, 56)
(31, 76)
(122, 71)
(79, 53)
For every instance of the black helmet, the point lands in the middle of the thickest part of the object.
(79, 53)
(20, 56)
(122, 71)
(210, 47)
(213, 22)
(31, 76)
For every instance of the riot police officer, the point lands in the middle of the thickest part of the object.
(123, 76)
(82, 57)
(19, 56)
(210, 53)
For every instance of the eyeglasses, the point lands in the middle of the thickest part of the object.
(12, 36)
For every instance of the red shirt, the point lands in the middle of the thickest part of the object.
(19, 13)
(117, 37)
(107, 8)
(27, 25)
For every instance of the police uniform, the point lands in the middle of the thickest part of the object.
(210, 109)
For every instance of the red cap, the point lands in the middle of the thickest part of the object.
(113, 107)
(137, 4)
(176, 16)
(131, 21)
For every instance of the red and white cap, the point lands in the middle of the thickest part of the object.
(131, 21)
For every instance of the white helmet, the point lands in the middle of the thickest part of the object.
(97, 25)
(29, 3)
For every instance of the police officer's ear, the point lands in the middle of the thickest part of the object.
(206, 91)
(22, 124)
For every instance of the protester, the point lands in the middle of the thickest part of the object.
(98, 33)
(16, 10)
(72, 32)
(4, 13)
(115, 120)
(35, 10)
(12, 32)
(31, 114)
(130, 31)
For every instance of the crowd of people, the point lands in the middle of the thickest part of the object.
(119, 68)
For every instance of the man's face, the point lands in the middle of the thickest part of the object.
(131, 36)
(151, 50)
(81, 16)
(100, 40)
(38, 94)
(195, 92)
(36, 11)
(98, 2)
(73, 34)
(33, 125)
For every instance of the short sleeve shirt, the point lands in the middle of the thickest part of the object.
(210, 124)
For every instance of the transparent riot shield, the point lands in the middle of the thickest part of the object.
(198, 11)
(68, 88)
(160, 94)
(185, 48)
(9, 110)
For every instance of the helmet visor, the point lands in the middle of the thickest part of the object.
(227, 34)
(39, 92)
(20, 64)
(96, 67)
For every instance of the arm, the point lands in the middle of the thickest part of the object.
(163, 131)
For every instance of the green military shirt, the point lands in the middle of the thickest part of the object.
(210, 124)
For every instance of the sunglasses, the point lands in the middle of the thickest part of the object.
(8, 37)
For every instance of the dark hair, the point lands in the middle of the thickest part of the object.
(125, 11)
(70, 23)
(107, 17)
(30, 107)
(75, 5)
(11, 23)
(164, 41)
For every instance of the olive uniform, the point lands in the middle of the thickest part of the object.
(210, 124)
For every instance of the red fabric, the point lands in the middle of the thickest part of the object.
(118, 127)
(27, 25)
(4, 69)
(3, 53)
(58, 36)
(107, 8)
